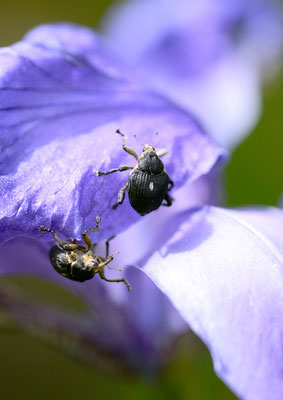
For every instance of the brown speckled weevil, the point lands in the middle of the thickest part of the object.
(78, 262)
(148, 184)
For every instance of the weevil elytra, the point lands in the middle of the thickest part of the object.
(78, 262)
(148, 183)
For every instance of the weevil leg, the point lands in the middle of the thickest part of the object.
(121, 169)
(102, 276)
(170, 184)
(109, 259)
(130, 151)
(114, 269)
(126, 148)
(161, 152)
(168, 200)
(107, 255)
(85, 236)
(107, 245)
(56, 237)
(121, 196)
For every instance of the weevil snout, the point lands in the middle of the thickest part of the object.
(148, 148)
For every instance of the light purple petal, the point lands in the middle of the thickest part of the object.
(223, 271)
(265, 219)
(63, 93)
(208, 56)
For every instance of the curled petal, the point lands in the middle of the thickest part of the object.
(63, 94)
(222, 270)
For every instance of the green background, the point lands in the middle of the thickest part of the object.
(31, 370)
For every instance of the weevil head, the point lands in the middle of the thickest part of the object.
(149, 161)
(148, 149)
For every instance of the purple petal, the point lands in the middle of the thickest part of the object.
(222, 270)
(63, 93)
(207, 55)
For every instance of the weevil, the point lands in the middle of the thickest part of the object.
(148, 183)
(78, 262)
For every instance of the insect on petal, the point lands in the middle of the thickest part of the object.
(63, 94)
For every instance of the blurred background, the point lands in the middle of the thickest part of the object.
(29, 368)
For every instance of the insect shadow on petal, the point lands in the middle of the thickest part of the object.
(78, 262)
(148, 183)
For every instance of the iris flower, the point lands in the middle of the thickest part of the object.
(63, 94)
(210, 56)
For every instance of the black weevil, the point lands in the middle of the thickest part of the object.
(80, 263)
(148, 184)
